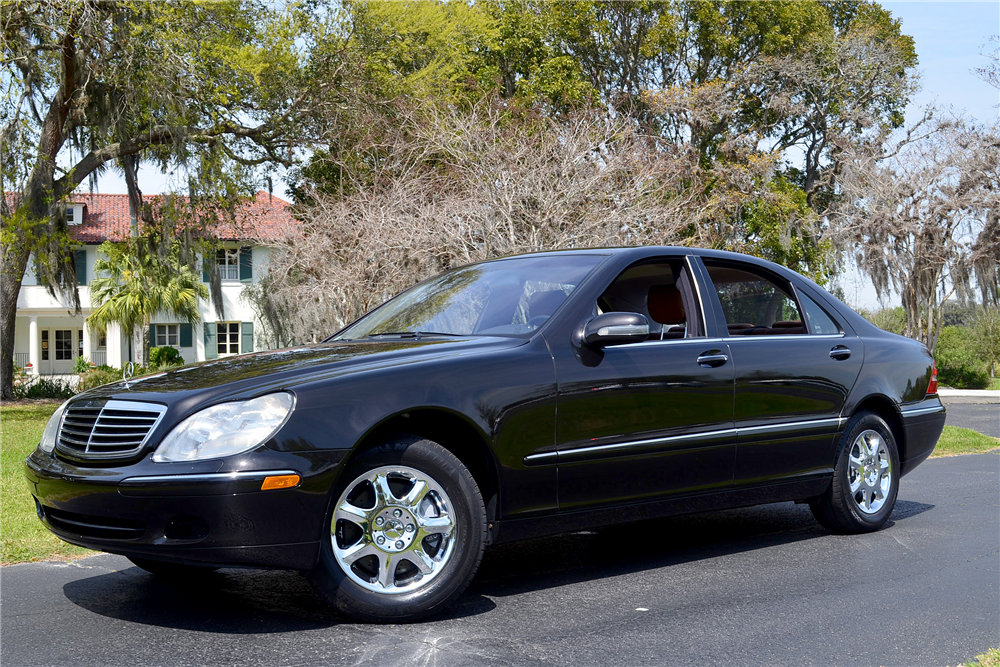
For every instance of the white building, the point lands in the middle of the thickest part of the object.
(48, 338)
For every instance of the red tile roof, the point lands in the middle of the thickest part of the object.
(106, 217)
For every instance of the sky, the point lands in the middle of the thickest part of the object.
(950, 40)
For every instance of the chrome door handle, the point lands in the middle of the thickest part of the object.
(840, 352)
(712, 360)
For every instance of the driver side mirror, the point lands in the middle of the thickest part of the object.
(616, 329)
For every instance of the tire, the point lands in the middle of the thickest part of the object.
(404, 535)
(171, 570)
(865, 478)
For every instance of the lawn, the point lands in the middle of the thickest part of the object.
(23, 538)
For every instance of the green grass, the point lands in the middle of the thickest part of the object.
(991, 658)
(994, 384)
(955, 440)
(22, 536)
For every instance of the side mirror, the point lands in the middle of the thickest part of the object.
(616, 329)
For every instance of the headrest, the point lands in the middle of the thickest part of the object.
(665, 305)
(545, 303)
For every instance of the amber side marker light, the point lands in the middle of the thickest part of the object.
(279, 482)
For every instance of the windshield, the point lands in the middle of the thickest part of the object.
(503, 297)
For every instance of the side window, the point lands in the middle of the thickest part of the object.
(755, 304)
(662, 291)
(817, 319)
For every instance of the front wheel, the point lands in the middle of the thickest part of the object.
(405, 534)
(865, 478)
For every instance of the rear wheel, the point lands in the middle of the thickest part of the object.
(865, 478)
(405, 533)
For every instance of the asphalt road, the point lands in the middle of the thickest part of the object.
(762, 585)
(984, 418)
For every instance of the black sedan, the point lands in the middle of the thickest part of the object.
(498, 401)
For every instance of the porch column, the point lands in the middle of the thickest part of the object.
(114, 348)
(86, 341)
(33, 343)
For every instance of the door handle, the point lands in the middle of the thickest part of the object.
(714, 360)
(840, 352)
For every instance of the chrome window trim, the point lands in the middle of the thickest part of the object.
(662, 341)
(806, 336)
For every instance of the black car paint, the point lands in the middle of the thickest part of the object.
(518, 410)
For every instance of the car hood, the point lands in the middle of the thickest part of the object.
(252, 374)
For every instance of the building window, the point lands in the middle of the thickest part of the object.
(79, 346)
(228, 338)
(228, 260)
(69, 215)
(45, 345)
(167, 334)
(64, 344)
(102, 340)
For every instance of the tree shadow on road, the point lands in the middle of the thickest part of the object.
(268, 601)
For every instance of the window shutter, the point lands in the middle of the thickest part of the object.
(205, 278)
(186, 339)
(246, 264)
(246, 337)
(80, 261)
(211, 346)
(152, 336)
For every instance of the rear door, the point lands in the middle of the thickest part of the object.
(794, 367)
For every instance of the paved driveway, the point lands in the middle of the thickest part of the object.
(984, 418)
(752, 586)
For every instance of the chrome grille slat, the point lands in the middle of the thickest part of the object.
(107, 429)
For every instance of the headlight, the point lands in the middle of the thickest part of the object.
(51, 431)
(225, 429)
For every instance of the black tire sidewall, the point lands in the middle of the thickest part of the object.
(348, 597)
(866, 422)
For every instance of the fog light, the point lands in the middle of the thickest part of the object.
(280, 482)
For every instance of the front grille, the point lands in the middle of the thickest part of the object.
(94, 526)
(107, 429)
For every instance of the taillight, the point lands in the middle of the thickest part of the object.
(932, 385)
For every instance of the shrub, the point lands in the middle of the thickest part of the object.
(44, 387)
(164, 357)
(98, 376)
(82, 365)
(958, 362)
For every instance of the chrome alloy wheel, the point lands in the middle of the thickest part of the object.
(393, 529)
(870, 472)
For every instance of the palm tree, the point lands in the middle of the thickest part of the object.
(138, 278)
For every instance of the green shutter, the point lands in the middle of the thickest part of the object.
(246, 264)
(211, 346)
(186, 337)
(80, 261)
(152, 336)
(246, 337)
(204, 270)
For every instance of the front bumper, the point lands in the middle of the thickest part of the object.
(922, 425)
(207, 513)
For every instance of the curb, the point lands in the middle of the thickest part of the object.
(982, 396)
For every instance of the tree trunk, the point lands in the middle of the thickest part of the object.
(15, 261)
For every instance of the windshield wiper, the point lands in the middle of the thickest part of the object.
(411, 334)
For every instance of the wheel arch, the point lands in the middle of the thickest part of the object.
(887, 409)
(454, 432)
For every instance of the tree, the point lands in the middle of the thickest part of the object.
(139, 278)
(213, 89)
(920, 217)
(986, 330)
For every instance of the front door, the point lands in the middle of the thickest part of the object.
(646, 420)
(59, 349)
